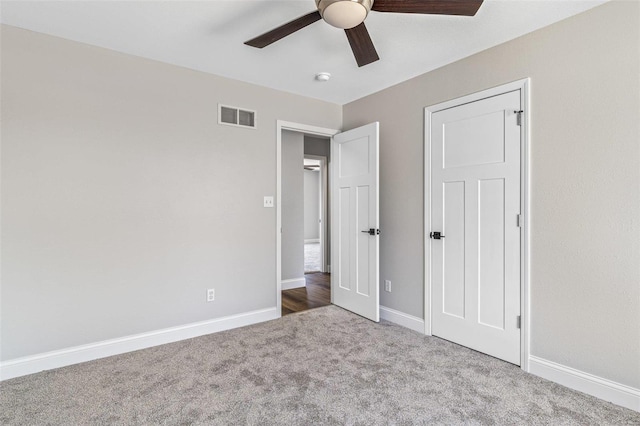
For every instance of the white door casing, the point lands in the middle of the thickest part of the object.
(475, 202)
(354, 211)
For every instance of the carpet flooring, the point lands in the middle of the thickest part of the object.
(323, 366)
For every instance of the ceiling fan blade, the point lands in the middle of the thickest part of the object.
(439, 7)
(361, 44)
(284, 30)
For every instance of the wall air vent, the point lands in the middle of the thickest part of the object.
(233, 116)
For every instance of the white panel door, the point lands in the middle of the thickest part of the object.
(475, 203)
(354, 212)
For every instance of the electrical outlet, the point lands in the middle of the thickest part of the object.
(211, 295)
(387, 285)
(268, 201)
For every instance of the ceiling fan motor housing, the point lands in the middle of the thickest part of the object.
(344, 14)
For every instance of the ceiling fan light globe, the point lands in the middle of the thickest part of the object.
(344, 14)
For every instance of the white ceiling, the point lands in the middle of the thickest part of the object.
(209, 35)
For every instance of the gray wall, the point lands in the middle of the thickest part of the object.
(314, 145)
(585, 175)
(123, 200)
(292, 205)
(311, 204)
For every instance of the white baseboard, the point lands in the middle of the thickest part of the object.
(74, 355)
(400, 318)
(293, 283)
(312, 240)
(608, 390)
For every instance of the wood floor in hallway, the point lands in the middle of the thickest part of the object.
(317, 293)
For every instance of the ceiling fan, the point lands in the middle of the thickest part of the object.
(350, 15)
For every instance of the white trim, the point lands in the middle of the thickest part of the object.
(522, 85)
(525, 232)
(400, 318)
(74, 355)
(293, 283)
(611, 391)
(312, 241)
(296, 127)
(427, 222)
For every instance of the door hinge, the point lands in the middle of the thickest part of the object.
(518, 322)
(519, 220)
(519, 117)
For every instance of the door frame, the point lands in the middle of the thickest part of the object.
(524, 86)
(323, 207)
(300, 128)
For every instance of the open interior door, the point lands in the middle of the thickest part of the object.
(354, 221)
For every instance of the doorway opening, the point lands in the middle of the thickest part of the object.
(354, 195)
(315, 211)
(302, 219)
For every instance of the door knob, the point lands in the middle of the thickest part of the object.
(372, 231)
(435, 235)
